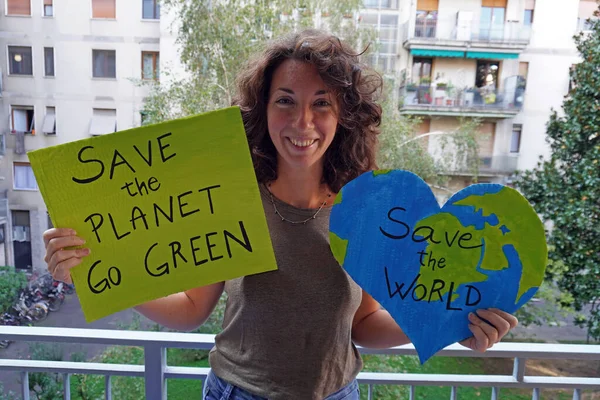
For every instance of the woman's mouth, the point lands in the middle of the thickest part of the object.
(302, 143)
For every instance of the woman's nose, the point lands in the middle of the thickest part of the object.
(304, 119)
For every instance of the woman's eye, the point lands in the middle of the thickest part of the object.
(322, 103)
(284, 101)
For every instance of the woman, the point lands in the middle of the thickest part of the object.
(310, 115)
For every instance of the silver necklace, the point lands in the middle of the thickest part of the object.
(295, 222)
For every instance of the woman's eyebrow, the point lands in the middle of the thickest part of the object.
(290, 91)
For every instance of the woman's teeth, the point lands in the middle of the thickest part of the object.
(302, 143)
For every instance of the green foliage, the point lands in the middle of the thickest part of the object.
(400, 148)
(11, 282)
(565, 188)
(217, 38)
(7, 396)
(88, 387)
(43, 385)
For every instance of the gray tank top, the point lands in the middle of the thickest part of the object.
(287, 333)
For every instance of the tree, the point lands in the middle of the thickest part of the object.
(212, 53)
(565, 189)
(217, 37)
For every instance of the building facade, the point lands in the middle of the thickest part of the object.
(505, 62)
(70, 69)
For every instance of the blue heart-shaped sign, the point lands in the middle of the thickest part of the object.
(430, 266)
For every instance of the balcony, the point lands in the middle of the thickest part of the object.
(446, 100)
(500, 164)
(156, 371)
(381, 4)
(462, 34)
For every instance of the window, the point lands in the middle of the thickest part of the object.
(150, 65)
(426, 19)
(422, 69)
(49, 127)
(523, 73)
(24, 178)
(586, 11)
(487, 74)
(143, 118)
(491, 23)
(21, 236)
(515, 139)
(150, 9)
(104, 63)
(48, 8)
(18, 7)
(22, 119)
(103, 9)
(485, 140)
(48, 61)
(103, 121)
(529, 10)
(20, 60)
(572, 82)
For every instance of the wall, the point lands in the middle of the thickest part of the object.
(72, 91)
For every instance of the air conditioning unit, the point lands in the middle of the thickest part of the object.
(464, 25)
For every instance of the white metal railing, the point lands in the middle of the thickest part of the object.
(435, 29)
(155, 370)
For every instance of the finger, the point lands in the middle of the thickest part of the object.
(57, 232)
(497, 321)
(512, 320)
(62, 270)
(490, 331)
(481, 339)
(58, 243)
(63, 255)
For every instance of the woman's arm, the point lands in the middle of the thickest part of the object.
(184, 311)
(375, 328)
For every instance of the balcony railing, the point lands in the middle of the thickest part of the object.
(156, 371)
(384, 4)
(445, 99)
(437, 30)
(498, 164)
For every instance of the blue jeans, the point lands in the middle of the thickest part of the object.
(216, 388)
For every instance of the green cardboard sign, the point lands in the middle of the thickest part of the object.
(163, 208)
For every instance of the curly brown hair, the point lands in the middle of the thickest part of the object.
(356, 87)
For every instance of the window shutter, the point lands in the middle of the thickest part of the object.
(494, 3)
(485, 139)
(427, 5)
(103, 9)
(19, 7)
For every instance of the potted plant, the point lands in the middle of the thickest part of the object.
(440, 93)
(425, 81)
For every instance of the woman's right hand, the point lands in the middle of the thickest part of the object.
(59, 259)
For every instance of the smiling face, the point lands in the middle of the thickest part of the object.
(301, 115)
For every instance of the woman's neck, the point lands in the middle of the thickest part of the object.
(300, 188)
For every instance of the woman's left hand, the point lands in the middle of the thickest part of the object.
(486, 334)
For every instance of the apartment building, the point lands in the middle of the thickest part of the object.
(68, 71)
(504, 61)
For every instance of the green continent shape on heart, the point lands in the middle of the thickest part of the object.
(526, 232)
(460, 265)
